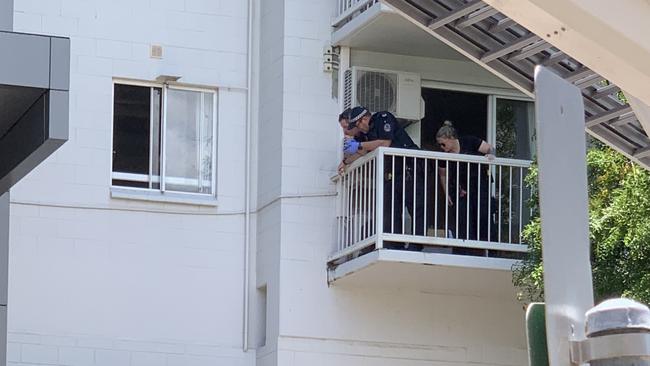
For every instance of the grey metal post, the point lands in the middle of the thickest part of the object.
(7, 15)
(561, 152)
(4, 273)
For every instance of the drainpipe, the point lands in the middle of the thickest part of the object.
(247, 200)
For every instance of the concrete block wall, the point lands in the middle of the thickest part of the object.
(103, 281)
(97, 281)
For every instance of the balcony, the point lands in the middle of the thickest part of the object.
(413, 216)
(346, 10)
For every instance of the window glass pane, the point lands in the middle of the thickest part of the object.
(515, 138)
(156, 111)
(207, 140)
(515, 126)
(131, 129)
(188, 139)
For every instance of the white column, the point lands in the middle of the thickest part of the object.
(610, 38)
(561, 154)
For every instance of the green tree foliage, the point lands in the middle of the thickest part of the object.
(619, 210)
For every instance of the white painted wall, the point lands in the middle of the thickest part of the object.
(101, 281)
(270, 28)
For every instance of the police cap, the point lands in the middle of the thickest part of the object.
(345, 114)
(358, 112)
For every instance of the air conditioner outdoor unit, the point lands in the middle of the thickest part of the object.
(382, 90)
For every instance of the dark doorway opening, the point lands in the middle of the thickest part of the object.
(468, 112)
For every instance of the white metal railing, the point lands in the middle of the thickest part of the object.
(391, 197)
(348, 9)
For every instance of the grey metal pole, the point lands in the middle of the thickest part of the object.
(7, 15)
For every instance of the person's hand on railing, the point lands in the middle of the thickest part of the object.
(341, 168)
(351, 146)
(490, 157)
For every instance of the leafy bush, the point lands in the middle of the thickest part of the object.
(619, 225)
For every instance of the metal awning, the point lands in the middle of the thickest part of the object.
(511, 52)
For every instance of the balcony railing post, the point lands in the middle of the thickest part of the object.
(341, 212)
(379, 198)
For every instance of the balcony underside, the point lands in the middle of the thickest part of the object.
(427, 272)
(380, 29)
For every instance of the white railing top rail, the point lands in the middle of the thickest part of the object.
(410, 153)
(346, 8)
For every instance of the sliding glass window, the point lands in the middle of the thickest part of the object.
(164, 138)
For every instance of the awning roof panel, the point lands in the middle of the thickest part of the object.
(509, 50)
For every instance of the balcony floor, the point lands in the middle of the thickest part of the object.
(427, 272)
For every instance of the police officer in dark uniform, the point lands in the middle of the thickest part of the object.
(382, 129)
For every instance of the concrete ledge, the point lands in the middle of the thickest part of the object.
(431, 272)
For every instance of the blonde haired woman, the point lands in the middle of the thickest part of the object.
(473, 191)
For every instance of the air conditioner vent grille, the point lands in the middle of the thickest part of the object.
(377, 91)
(347, 89)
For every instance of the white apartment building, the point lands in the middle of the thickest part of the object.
(194, 216)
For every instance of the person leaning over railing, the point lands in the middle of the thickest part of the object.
(349, 132)
(382, 129)
(477, 187)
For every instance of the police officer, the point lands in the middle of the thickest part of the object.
(382, 129)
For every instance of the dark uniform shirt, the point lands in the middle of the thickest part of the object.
(469, 145)
(384, 126)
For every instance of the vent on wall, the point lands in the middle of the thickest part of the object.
(382, 90)
(156, 51)
(347, 89)
(377, 91)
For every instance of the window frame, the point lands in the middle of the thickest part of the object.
(492, 93)
(492, 111)
(161, 194)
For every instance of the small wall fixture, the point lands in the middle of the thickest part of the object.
(156, 51)
(167, 78)
(331, 58)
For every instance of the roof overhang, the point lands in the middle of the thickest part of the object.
(34, 84)
(511, 51)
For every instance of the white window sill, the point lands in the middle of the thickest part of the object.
(158, 196)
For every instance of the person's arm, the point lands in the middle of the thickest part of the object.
(369, 146)
(350, 159)
(442, 172)
(487, 149)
